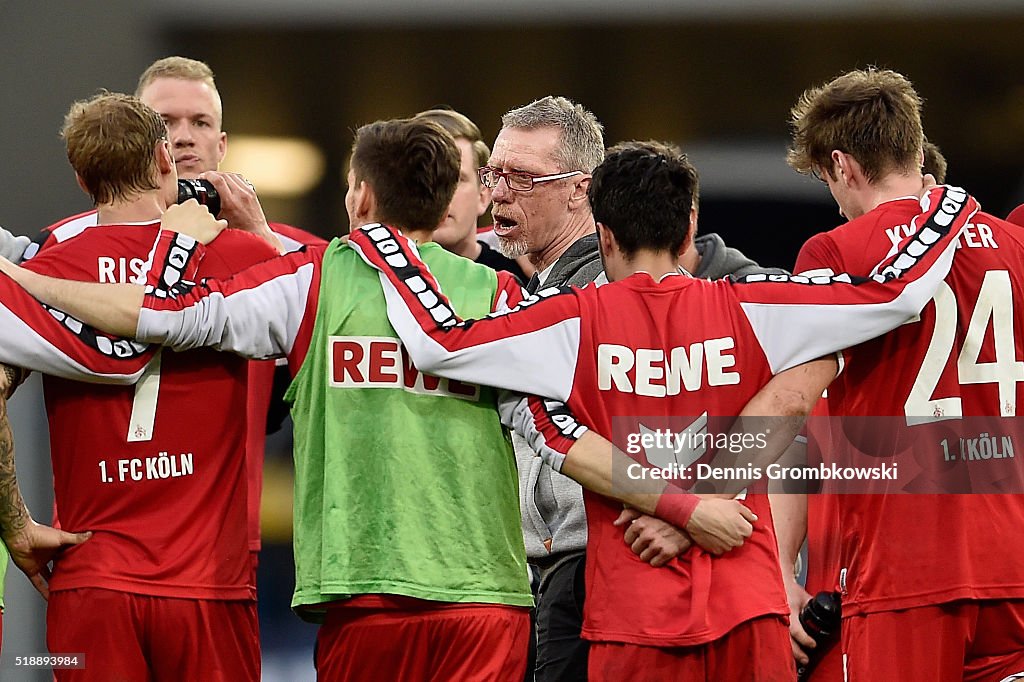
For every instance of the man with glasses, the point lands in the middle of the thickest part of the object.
(458, 232)
(538, 174)
(384, 549)
(412, 564)
(605, 351)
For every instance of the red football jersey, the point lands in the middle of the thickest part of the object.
(962, 357)
(822, 512)
(157, 470)
(261, 372)
(696, 598)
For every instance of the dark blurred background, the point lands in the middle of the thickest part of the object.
(297, 77)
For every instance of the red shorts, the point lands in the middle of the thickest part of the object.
(755, 651)
(137, 637)
(965, 640)
(412, 640)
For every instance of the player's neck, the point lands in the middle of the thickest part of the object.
(581, 224)
(655, 263)
(141, 208)
(690, 260)
(889, 187)
(418, 236)
(468, 247)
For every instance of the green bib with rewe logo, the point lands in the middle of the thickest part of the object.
(405, 483)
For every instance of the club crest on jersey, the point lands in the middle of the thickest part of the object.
(382, 362)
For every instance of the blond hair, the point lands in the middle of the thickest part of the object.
(181, 68)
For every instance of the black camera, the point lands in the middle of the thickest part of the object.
(202, 191)
(820, 618)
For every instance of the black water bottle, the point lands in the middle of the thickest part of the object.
(202, 191)
(820, 619)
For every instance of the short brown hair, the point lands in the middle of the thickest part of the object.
(872, 114)
(182, 68)
(110, 140)
(412, 166)
(460, 127)
(934, 162)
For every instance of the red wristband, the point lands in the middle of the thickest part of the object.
(676, 506)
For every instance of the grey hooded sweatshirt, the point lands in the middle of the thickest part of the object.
(554, 523)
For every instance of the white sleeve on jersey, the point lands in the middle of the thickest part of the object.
(492, 353)
(43, 339)
(256, 314)
(795, 326)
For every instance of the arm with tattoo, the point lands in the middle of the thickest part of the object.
(13, 513)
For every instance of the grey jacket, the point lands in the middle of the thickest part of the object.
(11, 247)
(718, 260)
(554, 521)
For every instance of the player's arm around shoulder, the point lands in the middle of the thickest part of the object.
(509, 294)
(54, 342)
